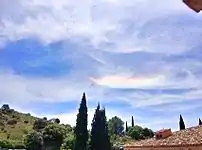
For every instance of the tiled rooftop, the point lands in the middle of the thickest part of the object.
(189, 136)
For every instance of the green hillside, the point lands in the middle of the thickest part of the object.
(14, 125)
(18, 130)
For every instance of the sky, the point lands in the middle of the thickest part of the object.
(138, 58)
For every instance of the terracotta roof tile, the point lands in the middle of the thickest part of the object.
(189, 136)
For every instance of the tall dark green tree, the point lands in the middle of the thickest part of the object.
(126, 126)
(100, 139)
(133, 122)
(81, 131)
(200, 122)
(181, 123)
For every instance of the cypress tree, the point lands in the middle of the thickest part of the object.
(181, 123)
(200, 122)
(100, 139)
(126, 126)
(106, 139)
(133, 122)
(94, 131)
(81, 131)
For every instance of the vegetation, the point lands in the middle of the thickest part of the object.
(81, 131)
(200, 122)
(133, 124)
(34, 141)
(181, 123)
(139, 133)
(100, 139)
(18, 130)
(116, 126)
(126, 126)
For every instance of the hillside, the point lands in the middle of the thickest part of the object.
(15, 125)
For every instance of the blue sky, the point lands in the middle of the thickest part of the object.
(132, 56)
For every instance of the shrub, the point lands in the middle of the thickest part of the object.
(34, 141)
(39, 124)
(1, 123)
(12, 122)
(8, 136)
(5, 107)
(57, 120)
(10, 110)
(26, 121)
(6, 144)
(68, 142)
(25, 131)
(28, 114)
(45, 118)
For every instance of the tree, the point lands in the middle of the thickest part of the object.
(133, 122)
(136, 132)
(100, 139)
(57, 121)
(68, 143)
(34, 141)
(53, 136)
(200, 122)
(181, 123)
(39, 124)
(126, 127)
(116, 126)
(81, 131)
(147, 133)
(5, 107)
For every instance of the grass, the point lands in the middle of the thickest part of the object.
(14, 125)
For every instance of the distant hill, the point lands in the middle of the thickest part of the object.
(15, 125)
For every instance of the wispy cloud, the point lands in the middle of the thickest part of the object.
(118, 52)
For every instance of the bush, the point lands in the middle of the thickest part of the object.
(54, 135)
(26, 121)
(68, 142)
(25, 131)
(39, 124)
(10, 110)
(45, 118)
(12, 122)
(5, 144)
(28, 114)
(57, 120)
(1, 123)
(34, 141)
(5, 107)
(8, 136)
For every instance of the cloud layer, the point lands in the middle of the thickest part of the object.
(127, 55)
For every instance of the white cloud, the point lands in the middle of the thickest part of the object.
(112, 25)
(115, 81)
(18, 89)
(70, 117)
(21, 89)
(100, 21)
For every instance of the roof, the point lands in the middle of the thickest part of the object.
(195, 5)
(163, 130)
(189, 136)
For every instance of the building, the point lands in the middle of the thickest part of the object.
(188, 139)
(195, 5)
